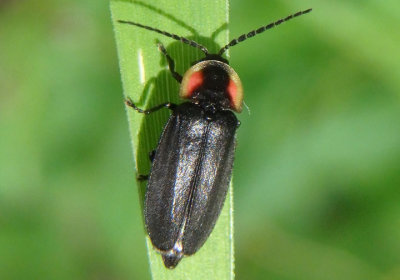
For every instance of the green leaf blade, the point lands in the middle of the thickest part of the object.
(148, 82)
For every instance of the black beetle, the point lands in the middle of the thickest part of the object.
(192, 165)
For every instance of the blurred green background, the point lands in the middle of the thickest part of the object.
(317, 170)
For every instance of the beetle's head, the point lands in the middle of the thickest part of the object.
(213, 82)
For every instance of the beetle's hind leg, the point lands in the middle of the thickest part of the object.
(141, 177)
(152, 154)
(171, 63)
(167, 105)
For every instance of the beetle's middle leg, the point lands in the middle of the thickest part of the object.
(167, 105)
(171, 63)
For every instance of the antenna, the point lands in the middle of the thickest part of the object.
(243, 37)
(173, 36)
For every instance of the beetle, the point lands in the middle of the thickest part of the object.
(192, 164)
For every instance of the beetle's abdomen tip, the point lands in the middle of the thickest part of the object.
(171, 260)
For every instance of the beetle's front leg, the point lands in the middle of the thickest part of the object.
(171, 63)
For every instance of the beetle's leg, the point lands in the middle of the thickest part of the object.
(152, 154)
(167, 105)
(238, 123)
(171, 63)
(141, 177)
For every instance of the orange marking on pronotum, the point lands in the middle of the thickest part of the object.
(232, 91)
(195, 80)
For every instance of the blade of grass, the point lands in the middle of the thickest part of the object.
(147, 82)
